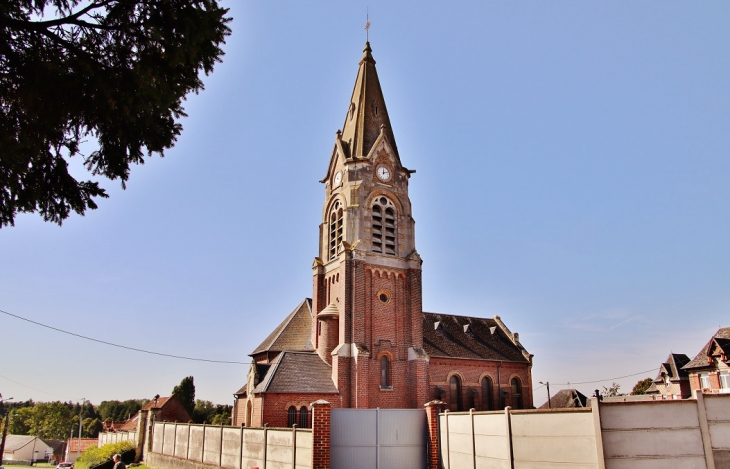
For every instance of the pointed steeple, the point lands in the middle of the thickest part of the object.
(367, 115)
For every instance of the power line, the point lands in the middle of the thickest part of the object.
(36, 389)
(180, 357)
(607, 379)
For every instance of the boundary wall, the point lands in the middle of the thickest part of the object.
(691, 433)
(116, 437)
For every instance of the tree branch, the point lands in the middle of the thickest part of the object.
(71, 19)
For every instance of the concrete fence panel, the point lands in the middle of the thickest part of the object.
(253, 447)
(491, 440)
(231, 452)
(304, 450)
(213, 445)
(553, 439)
(279, 449)
(168, 439)
(652, 435)
(717, 408)
(195, 443)
(182, 436)
(157, 438)
(460, 448)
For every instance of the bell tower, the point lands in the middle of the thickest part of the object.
(367, 277)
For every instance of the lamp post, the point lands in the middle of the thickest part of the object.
(5, 428)
(81, 416)
(547, 383)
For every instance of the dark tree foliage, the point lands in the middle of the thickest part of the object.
(641, 386)
(119, 411)
(207, 412)
(110, 71)
(185, 391)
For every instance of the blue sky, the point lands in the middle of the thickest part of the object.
(572, 177)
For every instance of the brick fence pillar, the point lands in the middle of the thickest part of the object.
(432, 419)
(321, 413)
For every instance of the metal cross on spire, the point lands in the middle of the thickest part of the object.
(367, 26)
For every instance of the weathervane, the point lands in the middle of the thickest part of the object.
(367, 26)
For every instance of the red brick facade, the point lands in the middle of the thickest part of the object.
(367, 319)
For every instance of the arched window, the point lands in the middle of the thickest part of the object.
(455, 394)
(303, 417)
(516, 393)
(384, 372)
(487, 394)
(335, 227)
(384, 226)
(291, 416)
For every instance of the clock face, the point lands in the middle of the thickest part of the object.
(338, 178)
(383, 173)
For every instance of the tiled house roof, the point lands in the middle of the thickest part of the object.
(566, 399)
(672, 368)
(73, 444)
(445, 335)
(294, 333)
(298, 372)
(702, 359)
(170, 410)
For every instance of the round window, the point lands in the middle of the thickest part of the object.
(384, 297)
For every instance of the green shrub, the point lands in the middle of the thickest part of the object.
(97, 455)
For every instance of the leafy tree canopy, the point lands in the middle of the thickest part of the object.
(641, 386)
(119, 410)
(110, 71)
(207, 412)
(612, 391)
(185, 391)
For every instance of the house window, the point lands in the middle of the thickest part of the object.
(303, 417)
(704, 381)
(725, 380)
(516, 393)
(384, 372)
(487, 394)
(335, 226)
(291, 416)
(384, 227)
(455, 394)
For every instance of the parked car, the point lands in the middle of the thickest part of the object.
(63, 465)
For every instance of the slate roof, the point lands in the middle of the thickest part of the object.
(701, 360)
(298, 372)
(566, 399)
(672, 368)
(294, 333)
(445, 335)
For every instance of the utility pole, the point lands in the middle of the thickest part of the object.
(547, 383)
(81, 416)
(5, 428)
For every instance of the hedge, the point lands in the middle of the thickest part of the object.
(95, 456)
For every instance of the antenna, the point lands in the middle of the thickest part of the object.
(367, 25)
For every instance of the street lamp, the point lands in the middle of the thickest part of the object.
(547, 383)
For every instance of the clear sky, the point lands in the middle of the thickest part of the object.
(572, 177)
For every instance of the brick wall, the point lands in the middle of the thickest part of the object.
(277, 406)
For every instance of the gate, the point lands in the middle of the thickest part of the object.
(378, 439)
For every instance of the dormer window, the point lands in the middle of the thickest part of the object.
(335, 233)
(384, 227)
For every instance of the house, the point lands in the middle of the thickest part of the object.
(74, 448)
(566, 399)
(28, 448)
(363, 339)
(672, 381)
(709, 371)
(165, 409)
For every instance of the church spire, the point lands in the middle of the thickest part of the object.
(367, 115)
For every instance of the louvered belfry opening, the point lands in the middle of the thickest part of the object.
(335, 224)
(384, 227)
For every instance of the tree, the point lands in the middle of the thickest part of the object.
(185, 391)
(91, 428)
(20, 421)
(52, 420)
(641, 386)
(119, 410)
(612, 391)
(110, 71)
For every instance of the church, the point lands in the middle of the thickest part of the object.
(363, 339)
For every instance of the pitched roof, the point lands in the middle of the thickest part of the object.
(672, 368)
(366, 111)
(298, 372)
(86, 443)
(445, 335)
(701, 360)
(17, 442)
(566, 399)
(294, 333)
